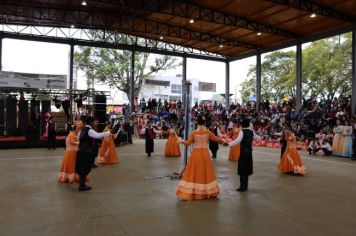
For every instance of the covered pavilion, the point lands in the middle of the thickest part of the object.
(224, 31)
(123, 201)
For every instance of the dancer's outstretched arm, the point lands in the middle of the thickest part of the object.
(237, 140)
(95, 135)
(189, 141)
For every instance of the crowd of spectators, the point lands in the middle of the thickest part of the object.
(315, 121)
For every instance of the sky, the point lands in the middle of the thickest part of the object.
(50, 58)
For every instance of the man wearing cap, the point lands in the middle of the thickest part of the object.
(245, 164)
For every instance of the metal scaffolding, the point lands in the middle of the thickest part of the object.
(102, 38)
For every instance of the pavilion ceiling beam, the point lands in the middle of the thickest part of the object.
(189, 10)
(169, 49)
(313, 7)
(169, 30)
(120, 22)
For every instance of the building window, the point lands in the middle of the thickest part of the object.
(176, 88)
(174, 98)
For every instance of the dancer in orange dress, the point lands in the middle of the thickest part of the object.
(199, 180)
(234, 153)
(291, 161)
(107, 152)
(172, 145)
(67, 171)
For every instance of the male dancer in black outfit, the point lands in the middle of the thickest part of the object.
(283, 141)
(214, 146)
(245, 165)
(149, 133)
(51, 133)
(86, 154)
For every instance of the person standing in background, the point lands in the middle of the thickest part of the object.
(128, 130)
(51, 128)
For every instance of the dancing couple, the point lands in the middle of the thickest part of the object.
(199, 180)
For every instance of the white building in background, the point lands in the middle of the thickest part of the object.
(170, 88)
(159, 86)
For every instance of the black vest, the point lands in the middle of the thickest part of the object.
(85, 142)
(246, 142)
(147, 136)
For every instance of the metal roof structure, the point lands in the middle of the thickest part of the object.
(216, 29)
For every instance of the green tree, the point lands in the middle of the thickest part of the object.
(248, 88)
(326, 71)
(327, 67)
(113, 67)
(277, 77)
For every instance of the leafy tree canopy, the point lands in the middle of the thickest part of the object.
(326, 71)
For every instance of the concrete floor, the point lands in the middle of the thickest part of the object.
(122, 202)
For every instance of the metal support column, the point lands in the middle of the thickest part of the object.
(227, 85)
(298, 96)
(71, 63)
(353, 61)
(258, 81)
(184, 79)
(132, 84)
(185, 96)
(1, 37)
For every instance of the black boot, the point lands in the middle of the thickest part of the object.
(82, 185)
(243, 183)
(246, 183)
(240, 189)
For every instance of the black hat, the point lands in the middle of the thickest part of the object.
(87, 119)
(245, 123)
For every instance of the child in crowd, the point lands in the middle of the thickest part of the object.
(313, 146)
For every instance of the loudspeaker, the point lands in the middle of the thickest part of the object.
(2, 111)
(35, 111)
(66, 105)
(23, 116)
(35, 119)
(2, 116)
(100, 110)
(11, 115)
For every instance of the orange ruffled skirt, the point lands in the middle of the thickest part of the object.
(107, 153)
(199, 180)
(234, 153)
(291, 162)
(67, 172)
(172, 147)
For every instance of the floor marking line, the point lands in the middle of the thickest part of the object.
(56, 157)
(161, 154)
(310, 158)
